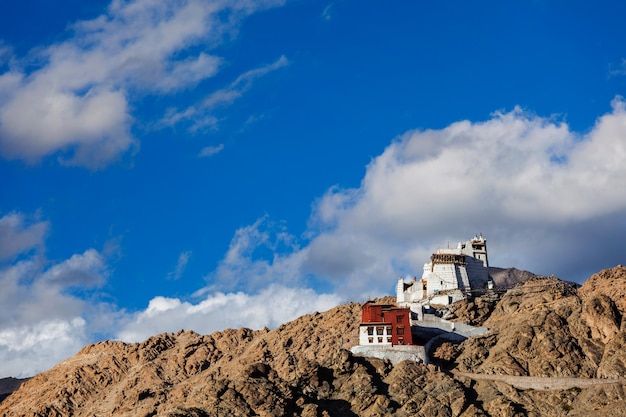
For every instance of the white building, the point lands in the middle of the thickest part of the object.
(450, 276)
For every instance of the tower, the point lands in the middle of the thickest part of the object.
(479, 249)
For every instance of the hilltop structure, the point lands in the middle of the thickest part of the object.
(407, 329)
(451, 275)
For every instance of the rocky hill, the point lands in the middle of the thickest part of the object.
(508, 277)
(543, 334)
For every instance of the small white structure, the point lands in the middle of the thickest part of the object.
(450, 276)
(375, 334)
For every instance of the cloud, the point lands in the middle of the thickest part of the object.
(41, 321)
(50, 311)
(16, 236)
(548, 200)
(5, 53)
(327, 13)
(620, 70)
(199, 116)
(27, 350)
(33, 292)
(211, 150)
(258, 255)
(74, 96)
(183, 259)
(85, 270)
(223, 310)
(229, 94)
(544, 196)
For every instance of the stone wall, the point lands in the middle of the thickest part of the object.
(395, 354)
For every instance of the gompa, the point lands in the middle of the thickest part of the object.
(451, 275)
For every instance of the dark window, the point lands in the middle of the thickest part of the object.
(370, 330)
(380, 340)
(400, 330)
(389, 340)
(379, 330)
(400, 318)
(370, 340)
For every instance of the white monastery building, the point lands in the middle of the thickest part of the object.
(450, 276)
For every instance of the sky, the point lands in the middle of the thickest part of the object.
(209, 164)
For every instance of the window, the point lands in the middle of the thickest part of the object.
(399, 318)
(370, 330)
(400, 330)
(380, 340)
(388, 339)
(401, 340)
(370, 340)
(379, 330)
(388, 329)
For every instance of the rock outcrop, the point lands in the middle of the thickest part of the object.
(541, 330)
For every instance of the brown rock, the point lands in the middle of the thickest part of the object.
(601, 316)
(610, 282)
(530, 334)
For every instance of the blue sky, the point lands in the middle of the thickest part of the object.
(211, 164)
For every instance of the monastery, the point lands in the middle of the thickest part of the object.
(450, 276)
(405, 330)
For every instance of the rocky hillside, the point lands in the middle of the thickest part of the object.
(508, 277)
(543, 332)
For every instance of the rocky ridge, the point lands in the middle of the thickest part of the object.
(543, 329)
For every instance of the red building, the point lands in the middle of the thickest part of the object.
(385, 324)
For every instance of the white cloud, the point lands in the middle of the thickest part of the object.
(245, 265)
(41, 322)
(5, 53)
(77, 98)
(199, 116)
(223, 310)
(85, 270)
(543, 195)
(16, 236)
(183, 260)
(620, 70)
(31, 292)
(241, 84)
(27, 350)
(211, 150)
(548, 200)
(327, 13)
